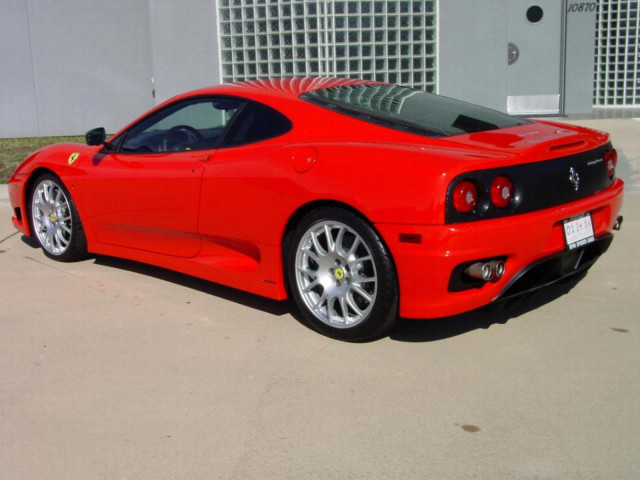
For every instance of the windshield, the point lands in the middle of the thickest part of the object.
(411, 110)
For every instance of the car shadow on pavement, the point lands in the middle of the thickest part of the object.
(30, 241)
(272, 307)
(498, 313)
(409, 330)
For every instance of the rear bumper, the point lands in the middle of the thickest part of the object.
(532, 244)
(556, 267)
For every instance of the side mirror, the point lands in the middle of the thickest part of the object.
(97, 136)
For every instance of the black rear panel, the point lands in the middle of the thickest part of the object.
(537, 185)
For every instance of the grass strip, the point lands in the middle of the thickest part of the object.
(14, 150)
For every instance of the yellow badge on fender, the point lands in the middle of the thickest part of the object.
(73, 157)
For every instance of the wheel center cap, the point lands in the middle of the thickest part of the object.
(338, 273)
(52, 217)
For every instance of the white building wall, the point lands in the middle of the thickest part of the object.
(579, 63)
(70, 65)
(74, 64)
(184, 42)
(18, 107)
(472, 51)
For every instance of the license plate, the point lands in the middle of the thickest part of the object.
(578, 231)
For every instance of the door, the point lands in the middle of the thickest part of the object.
(147, 202)
(144, 191)
(535, 56)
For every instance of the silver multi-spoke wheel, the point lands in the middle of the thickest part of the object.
(336, 274)
(341, 275)
(55, 221)
(52, 219)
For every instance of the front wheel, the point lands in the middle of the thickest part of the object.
(341, 276)
(55, 221)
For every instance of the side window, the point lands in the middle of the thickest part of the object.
(254, 123)
(194, 124)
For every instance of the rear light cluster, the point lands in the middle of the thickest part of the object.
(611, 159)
(501, 192)
(465, 194)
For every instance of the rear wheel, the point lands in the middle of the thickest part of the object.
(55, 221)
(341, 276)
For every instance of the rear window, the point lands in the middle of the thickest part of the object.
(254, 123)
(411, 110)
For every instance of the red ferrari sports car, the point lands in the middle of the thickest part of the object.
(365, 202)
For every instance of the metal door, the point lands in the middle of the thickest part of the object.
(535, 56)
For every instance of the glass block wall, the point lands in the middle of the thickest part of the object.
(391, 40)
(617, 76)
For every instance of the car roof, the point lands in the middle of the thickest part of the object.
(289, 88)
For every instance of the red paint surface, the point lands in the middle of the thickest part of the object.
(222, 215)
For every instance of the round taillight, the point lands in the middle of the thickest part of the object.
(611, 159)
(501, 192)
(465, 196)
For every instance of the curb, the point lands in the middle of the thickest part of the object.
(4, 193)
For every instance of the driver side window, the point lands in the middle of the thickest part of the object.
(194, 124)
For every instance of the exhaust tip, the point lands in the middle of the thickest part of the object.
(486, 270)
(618, 223)
(497, 267)
(480, 270)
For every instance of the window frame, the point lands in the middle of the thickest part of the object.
(116, 143)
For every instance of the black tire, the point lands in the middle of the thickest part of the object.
(55, 221)
(341, 276)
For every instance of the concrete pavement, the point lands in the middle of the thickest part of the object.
(112, 369)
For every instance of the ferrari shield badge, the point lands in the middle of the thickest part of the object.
(73, 157)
